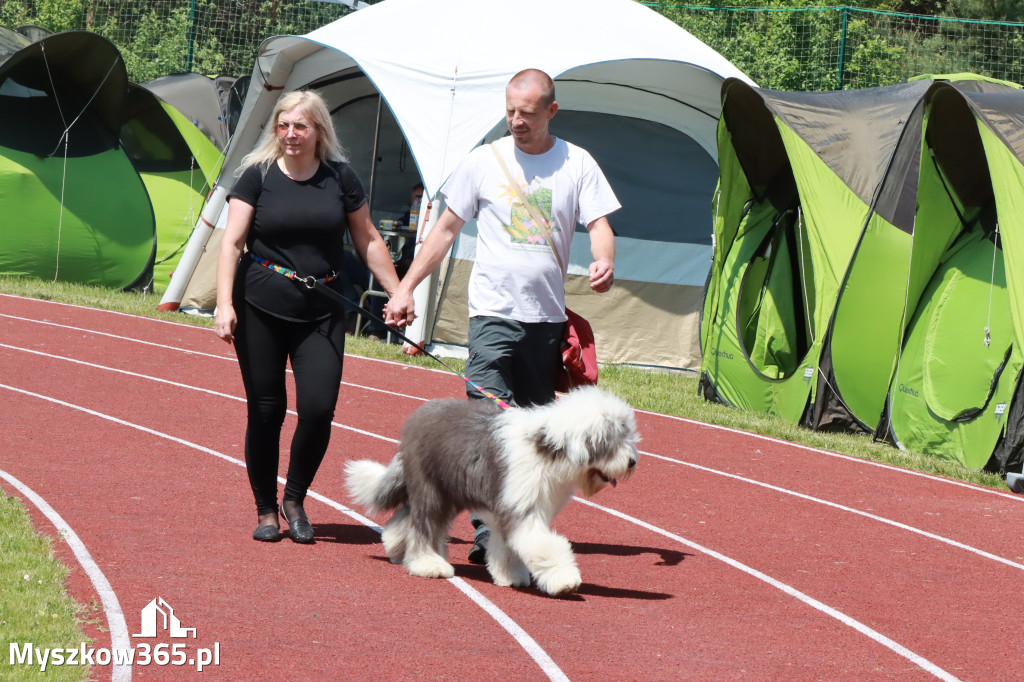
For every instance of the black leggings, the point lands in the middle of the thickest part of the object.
(263, 344)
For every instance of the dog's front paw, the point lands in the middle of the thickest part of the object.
(430, 567)
(560, 580)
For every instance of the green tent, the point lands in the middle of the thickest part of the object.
(799, 176)
(178, 164)
(105, 178)
(900, 245)
(955, 379)
(74, 207)
(831, 224)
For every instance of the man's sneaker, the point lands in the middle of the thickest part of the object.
(478, 552)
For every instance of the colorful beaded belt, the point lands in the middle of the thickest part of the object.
(309, 280)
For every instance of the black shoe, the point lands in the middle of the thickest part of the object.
(267, 532)
(478, 552)
(299, 528)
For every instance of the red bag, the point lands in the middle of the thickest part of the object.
(579, 355)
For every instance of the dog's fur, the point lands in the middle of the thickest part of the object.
(515, 469)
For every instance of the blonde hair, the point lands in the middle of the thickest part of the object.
(312, 104)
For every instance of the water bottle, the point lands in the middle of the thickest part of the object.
(414, 216)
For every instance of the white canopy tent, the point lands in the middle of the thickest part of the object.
(624, 75)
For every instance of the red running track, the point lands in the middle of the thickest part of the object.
(728, 555)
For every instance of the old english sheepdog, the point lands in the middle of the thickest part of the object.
(515, 469)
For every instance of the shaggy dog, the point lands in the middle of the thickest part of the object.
(515, 469)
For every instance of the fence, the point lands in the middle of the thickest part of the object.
(845, 47)
(781, 48)
(159, 37)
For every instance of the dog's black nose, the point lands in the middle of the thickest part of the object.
(632, 462)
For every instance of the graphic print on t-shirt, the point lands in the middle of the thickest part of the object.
(522, 230)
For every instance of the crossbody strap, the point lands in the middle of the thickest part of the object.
(535, 214)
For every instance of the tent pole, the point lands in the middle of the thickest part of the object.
(373, 162)
(194, 249)
(422, 327)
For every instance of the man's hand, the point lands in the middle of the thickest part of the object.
(602, 249)
(602, 276)
(399, 311)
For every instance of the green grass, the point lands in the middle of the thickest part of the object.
(39, 610)
(34, 603)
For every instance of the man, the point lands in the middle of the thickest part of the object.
(517, 285)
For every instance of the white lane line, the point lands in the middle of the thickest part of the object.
(743, 433)
(201, 329)
(878, 637)
(177, 384)
(133, 316)
(188, 351)
(835, 505)
(370, 434)
(848, 458)
(111, 606)
(119, 337)
(727, 429)
(529, 645)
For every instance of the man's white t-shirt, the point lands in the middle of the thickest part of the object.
(515, 274)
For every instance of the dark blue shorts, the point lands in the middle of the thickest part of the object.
(516, 361)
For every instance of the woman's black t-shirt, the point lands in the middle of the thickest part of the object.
(299, 225)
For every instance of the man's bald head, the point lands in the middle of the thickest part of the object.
(530, 78)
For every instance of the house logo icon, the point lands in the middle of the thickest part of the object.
(151, 621)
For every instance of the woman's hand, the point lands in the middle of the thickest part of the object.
(226, 321)
(400, 311)
(231, 248)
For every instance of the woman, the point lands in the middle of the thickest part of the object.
(289, 209)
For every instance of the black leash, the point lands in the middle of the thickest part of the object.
(314, 284)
